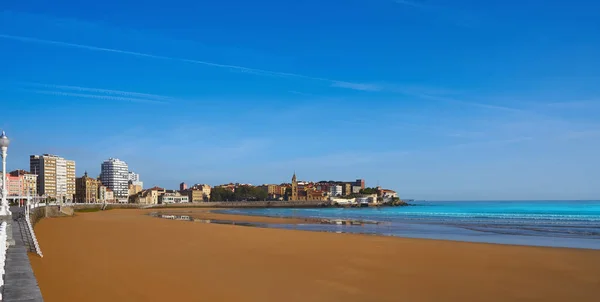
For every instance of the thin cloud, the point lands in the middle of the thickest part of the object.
(356, 86)
(119, 93)
(96, 96)
(236, 68)
(481, 105)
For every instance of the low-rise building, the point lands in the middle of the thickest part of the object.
(387, 193)
(148, 196)
(314, 195)
(343, 201)
(101, 192)
(172, 197)
(27, 183)
(109, 195)
(371, 198)
(134, 188)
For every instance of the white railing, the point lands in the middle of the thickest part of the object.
(3, 247)
(32, 233)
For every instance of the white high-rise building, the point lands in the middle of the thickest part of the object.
(132, 176)
(114, 174)
(134, 179)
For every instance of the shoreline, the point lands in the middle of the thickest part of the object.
(262, 221)
(454, 232)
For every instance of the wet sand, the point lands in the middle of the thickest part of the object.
(125, 255)
(210, 214)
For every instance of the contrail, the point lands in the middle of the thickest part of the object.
(100, 90)
(146, 55)
(99, 97)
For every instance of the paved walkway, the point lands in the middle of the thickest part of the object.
(19, 282)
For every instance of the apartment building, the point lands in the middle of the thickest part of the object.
(270, 189)
(55, 176)
(132, 176)
(13, 185)
(101, 192)
(194, 195)
(336, 190)
(21, 182)
(204, 188)
(114, 174)
(273, 191)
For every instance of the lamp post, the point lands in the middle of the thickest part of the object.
(4, 142)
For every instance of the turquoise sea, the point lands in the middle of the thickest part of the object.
(574, 224)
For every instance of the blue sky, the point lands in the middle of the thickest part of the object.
(436, 99)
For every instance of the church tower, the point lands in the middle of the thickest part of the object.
(294, 188)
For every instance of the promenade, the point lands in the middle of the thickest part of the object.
(20, 283)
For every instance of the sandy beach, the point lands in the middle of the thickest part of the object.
(125, 255)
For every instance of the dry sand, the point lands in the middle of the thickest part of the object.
(123, 255)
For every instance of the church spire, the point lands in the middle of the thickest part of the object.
(294, 196)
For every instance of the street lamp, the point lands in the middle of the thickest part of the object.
(4, 142)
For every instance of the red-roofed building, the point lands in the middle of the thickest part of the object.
(387, 193)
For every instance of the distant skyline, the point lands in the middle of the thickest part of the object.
(438, 100)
